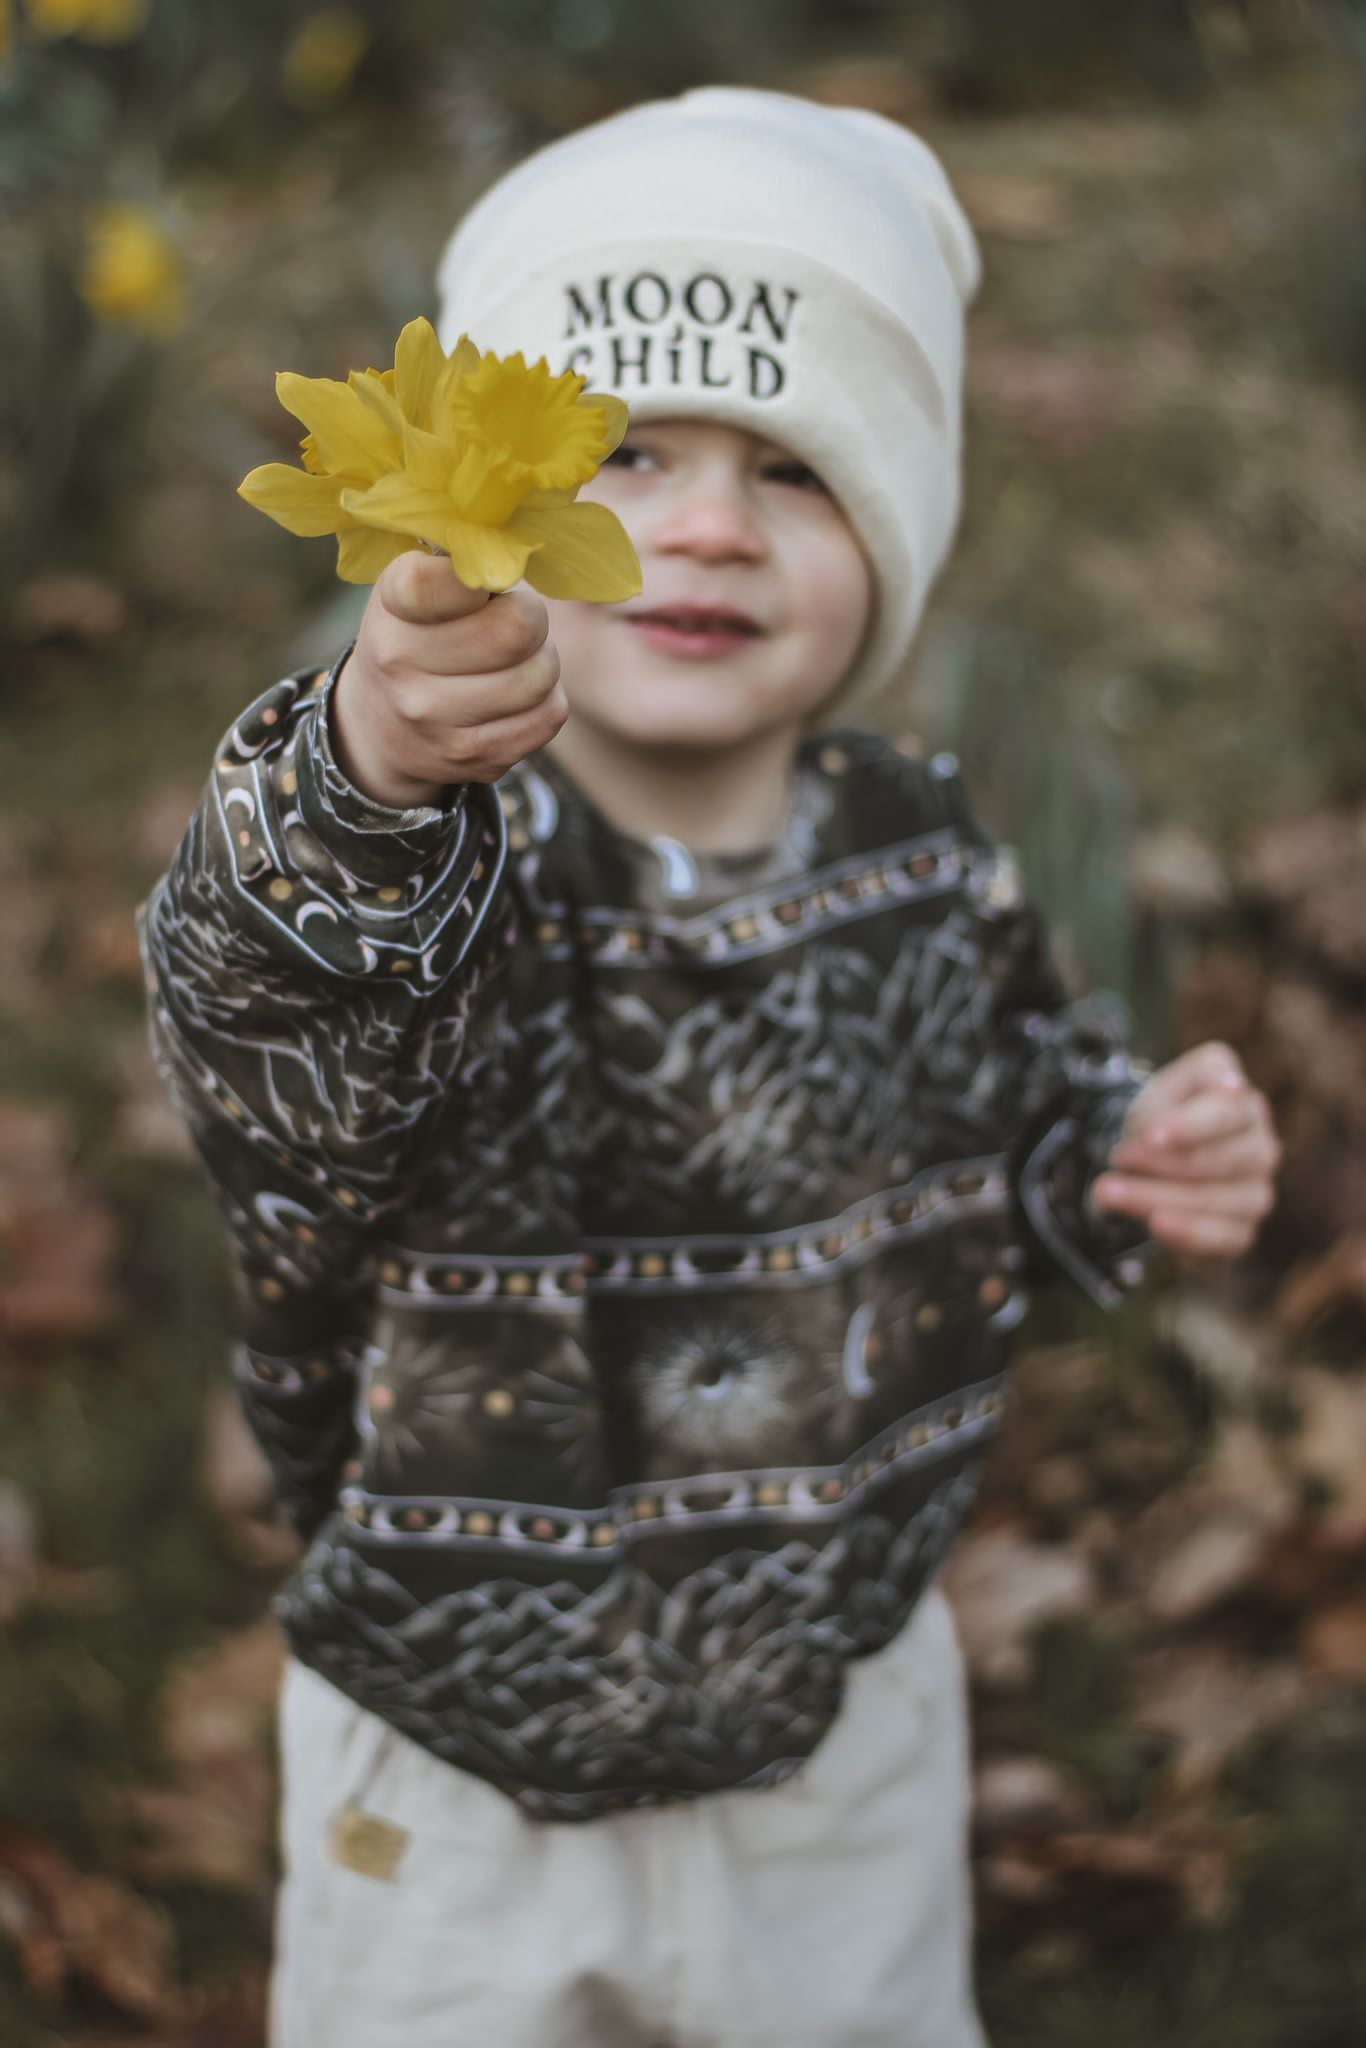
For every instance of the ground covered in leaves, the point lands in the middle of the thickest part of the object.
(1149, 651)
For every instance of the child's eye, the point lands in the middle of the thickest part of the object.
(629, 455)
(799, 475)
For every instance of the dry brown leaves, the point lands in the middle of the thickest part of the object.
(70, 1927)
(1319, 1286)
(884, 85)
(1292, 999)
(213, 2015)
(1003, 1587)
(238, 1482)
(1117, 1884)
(147, 1124)
(83, 611)
(1064, 398)
(1311, 872)
(1230, 1588)
(213, 1818)
(58, 1239)
(1018, 208)
(1211, 1702)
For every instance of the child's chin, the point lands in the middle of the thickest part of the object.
(687, 711)
(684, 728)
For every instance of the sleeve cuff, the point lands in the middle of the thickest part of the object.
(1107, 1255)
(374, 841)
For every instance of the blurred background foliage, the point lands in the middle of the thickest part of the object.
(1149, 650)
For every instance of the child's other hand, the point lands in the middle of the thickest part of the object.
(443, 685)
(1197, 1156)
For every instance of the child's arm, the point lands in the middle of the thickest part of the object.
(1108, 1156)
(1062, 1080)
(316, 955)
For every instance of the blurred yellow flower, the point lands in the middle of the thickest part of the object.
(322, 55)
(6, 29)
(99, 21)
(478, 455)
(132, 274)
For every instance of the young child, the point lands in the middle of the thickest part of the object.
(636, 1169)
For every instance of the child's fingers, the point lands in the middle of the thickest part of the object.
(478, 697)
(424, 590)
(1211, 1065)
(1204, 1236)
(1208, 1068)
(490, 750)
(1248, 1198)
(1193, 1124)
(508, 630)
(1252, 1151)
(1211, 1222)
(1200, 1119)
(498, 640)
(1188, 1139)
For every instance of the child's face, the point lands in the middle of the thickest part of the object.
(756, 594)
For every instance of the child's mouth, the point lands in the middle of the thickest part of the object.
(699, 632)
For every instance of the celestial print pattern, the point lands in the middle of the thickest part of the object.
(629, 1242)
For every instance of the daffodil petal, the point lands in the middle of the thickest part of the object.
(380, 399)
(419, 364)
(427, 458)
(483, 488)
(616, 416)
(486, 557)
(396, 504)
(364, 554)
(347, 435)
(582, 551)
(544, 501)
(464, 357)
(303, 504)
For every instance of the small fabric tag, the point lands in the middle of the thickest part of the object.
(363, 1842)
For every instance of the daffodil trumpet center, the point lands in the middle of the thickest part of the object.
(545, 439)
(485, 488)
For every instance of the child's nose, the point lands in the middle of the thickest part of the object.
(712, 520)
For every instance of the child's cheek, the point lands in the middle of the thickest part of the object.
(623, 491)
(837, 594)
(579, 635)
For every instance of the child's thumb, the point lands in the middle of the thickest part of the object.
(424, 590)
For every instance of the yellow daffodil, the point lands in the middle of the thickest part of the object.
(476, 455)
(322, 55)
(98, 21)
(132, 274)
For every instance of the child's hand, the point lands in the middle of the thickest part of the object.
(443, 684)
(1197, 1156)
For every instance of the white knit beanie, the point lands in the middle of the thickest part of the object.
(761, 260)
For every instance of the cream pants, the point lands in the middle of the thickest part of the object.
(828, 1912)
